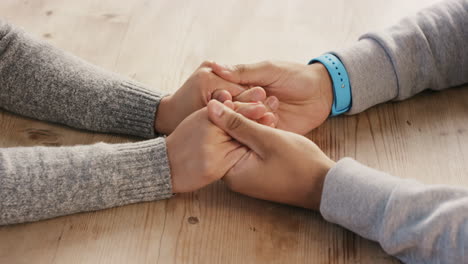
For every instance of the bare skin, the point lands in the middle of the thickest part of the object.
(202, 86)
(303, 92)
(200, 153)
(292, 170)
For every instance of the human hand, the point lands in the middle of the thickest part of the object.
(278, 166)
(304, 91)
(200, 153)
(202, 86)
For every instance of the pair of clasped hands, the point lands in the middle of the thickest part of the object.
(244, 124)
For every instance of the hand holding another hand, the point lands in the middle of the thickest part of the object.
(304, 91)
(275, 165)
(200, 153)
(202, 86)
(221, 141)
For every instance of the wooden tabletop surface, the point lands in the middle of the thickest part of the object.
(160, 42)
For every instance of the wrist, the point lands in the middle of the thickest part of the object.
(319, 183)
(162, 123)
(325, 84)
(170, 145)
(341, 86)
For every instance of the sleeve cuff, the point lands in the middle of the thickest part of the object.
(371, 74)
(141, 172)
(355, 196)
(133, 108)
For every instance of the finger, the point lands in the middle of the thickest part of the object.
(233, 157)
(254, 94)
(221, 95)
(229, 104)
(253, 135)
(262, 73)
(268, 119)
(272, 103)
(252, 111)
(233, 88)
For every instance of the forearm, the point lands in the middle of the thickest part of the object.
(416, 223)
(424, 51)
(45, 83)
(44, 182)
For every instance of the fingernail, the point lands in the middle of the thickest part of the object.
(272, 102)
(218, 109)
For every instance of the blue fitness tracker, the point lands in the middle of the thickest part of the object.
(340, 80)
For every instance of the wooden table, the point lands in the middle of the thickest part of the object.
(160, 43)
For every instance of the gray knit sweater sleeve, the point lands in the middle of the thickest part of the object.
(46, 83)
(44, 182)
(415, 222)
(42, 82)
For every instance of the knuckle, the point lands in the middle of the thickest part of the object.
(210, 177)
(240, 68)
(269, 64)
(207, 170)
(203, 75)
(206, 63)
(235, 122)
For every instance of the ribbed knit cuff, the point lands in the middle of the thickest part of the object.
(371, 74)
(354, 196)
(134, 109)
(143, 171)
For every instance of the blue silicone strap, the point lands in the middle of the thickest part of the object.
(341, 86)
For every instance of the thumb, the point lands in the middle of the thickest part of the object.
(262, 73)
(221, 95)
(251, 134)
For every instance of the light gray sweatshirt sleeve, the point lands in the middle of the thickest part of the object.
(42, 82)
(424, 51)
(415, 222)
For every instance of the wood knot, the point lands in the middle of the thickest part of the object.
(193, 220)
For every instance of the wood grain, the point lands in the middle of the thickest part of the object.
(160, 43)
